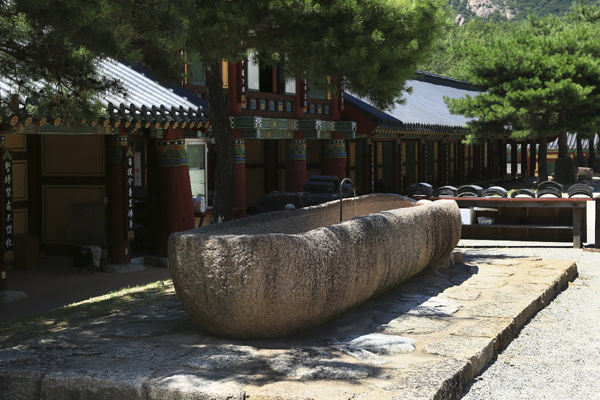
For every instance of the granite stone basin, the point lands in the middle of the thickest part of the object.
(277, 273)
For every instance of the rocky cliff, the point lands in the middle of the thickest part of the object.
(508, 9)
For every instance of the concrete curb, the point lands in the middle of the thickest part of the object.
(453, 387)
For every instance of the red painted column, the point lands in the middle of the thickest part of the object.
(239, 176)
(235, 88)
(177, 209)
(295, 171)
(335, 158)
(119, 240)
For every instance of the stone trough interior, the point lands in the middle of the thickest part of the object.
(306, 219)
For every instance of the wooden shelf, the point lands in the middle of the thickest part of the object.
(521, 202)
(556, 227)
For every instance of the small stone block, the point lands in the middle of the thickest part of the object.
(457, 258)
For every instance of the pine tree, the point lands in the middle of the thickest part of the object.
(539, 78)
(370, 47)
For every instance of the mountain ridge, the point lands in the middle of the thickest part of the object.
(506, 9)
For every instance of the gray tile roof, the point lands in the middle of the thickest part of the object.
(572, 142)
(144, 90)
(425, 105)
(145, 98)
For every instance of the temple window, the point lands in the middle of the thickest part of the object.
(268, 78)
(196, 151)
(317, 88)
(253, 74)
(195, 72)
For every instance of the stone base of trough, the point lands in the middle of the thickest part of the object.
(424, 340)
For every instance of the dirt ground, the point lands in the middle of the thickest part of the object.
(56, 283)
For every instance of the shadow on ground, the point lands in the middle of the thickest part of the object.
(156, 342)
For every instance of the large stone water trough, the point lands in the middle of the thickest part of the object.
(277, 273)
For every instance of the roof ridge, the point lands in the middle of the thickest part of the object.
(431, 77)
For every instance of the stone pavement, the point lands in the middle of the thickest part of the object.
(556, 355)
(426, 339)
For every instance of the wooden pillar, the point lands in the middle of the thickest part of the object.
(532, 159)
(295, 171)
(6, 224)
(119, 239)
(503, 158)
(177, 210)
(578, 227)
(271, 164)
(370, 166)
(442, 163)
(513, 160)
(491, 162)
(402, 166)
(239, 177)
(335, 158)
(592, 153)
(524, 159)
(421, 166)
(597, 223)
(237, 86)
(397, 166)
(460, 147)
(477, 162)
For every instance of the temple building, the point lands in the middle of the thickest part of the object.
(288, 129)
(120, 181)
(125, 181)
(419, 141)
(285, 129)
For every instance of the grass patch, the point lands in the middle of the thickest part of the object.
(78, 313)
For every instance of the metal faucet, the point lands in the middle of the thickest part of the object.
(341, 188)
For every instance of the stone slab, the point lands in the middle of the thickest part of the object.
(423, 340)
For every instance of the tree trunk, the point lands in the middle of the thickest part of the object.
(592, 153)
(563, 150)
(564, 170)
(580, 157)
(219, 119)
(542, 162)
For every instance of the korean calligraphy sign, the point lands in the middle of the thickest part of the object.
(130, 181)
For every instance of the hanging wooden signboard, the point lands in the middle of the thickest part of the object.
(6, 251)
(8, 204)
(243, 82)
(305, 95)
(130, 181)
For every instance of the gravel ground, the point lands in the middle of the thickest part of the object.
(557, 354)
